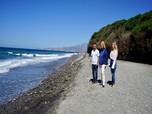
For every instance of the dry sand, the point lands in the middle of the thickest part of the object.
(131, 95)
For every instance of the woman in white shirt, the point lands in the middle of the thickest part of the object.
(113, 59)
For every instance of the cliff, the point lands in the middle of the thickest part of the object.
(133, 36)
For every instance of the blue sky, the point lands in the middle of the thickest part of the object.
(57, 23)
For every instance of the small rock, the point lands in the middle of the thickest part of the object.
(26, 107)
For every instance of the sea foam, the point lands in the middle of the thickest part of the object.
(7, 65)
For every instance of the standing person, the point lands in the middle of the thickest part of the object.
(94, 61)
(113, 59)
(103, 61)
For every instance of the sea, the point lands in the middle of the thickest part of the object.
(24, 69)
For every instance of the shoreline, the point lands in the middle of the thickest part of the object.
(26, 78)
(44, 98)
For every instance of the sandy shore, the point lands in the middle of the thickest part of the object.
(68, 91)
(44, 98)
(131, 95)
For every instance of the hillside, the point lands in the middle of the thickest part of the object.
(134, 37)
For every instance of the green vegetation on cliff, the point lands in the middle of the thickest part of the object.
(133, 36)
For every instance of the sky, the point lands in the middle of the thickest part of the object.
(59, 23)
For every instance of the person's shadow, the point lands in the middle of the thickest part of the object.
(110, 83)
(99, 81)
(91, 80)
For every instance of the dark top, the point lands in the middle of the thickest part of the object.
(103, 58)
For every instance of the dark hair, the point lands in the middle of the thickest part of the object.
(94, 43)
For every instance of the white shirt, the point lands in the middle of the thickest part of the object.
(113, 56)
(95, 56)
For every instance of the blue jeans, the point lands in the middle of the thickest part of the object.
(95, 72)
(113, 75)
(113, 71)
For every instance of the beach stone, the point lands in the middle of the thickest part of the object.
(43, 98)
(130, 95)
(26, 108)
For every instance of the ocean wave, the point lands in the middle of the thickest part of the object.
(27, 55)
(10, 52)
(34, 55)
(18, 54)
(7, 65)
